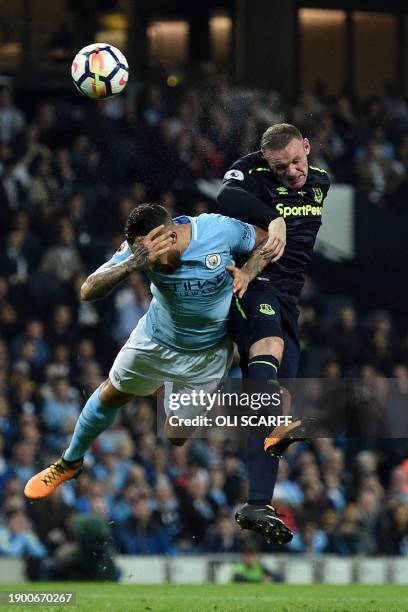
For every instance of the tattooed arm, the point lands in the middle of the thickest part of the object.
(257, 261)
(101, 282)
(255, 264)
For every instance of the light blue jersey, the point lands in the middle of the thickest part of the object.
(189, 309)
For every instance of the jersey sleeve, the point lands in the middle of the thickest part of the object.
(240, 236)
(239, 197)
(121, 254)
(321, 179)
(326, 185)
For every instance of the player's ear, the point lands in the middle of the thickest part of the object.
(173, 236)
(306, 145)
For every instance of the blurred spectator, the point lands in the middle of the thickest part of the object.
(141, 533)
(234, 478)
(17, 538)
(62, 329)
(6, 471)
(131, 303)
(287, 490)
(250, 568)
(23, 461)
(7, 427)
(378, 175)
(369, 507)
(197, 510)
(13, 262)
(216, 492)
(109, 468)
(34, 333)
(168, 509)
(222, 537)
(59, 414)
(12, 120)
(394, 531)
(51, 519)
(310, 540)
(63, 260)
(346, 340)
(14, 183)
(44, 186)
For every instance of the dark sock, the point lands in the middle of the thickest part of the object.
(263, 366)
(262, 468)
(262, 472)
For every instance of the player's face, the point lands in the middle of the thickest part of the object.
(168, 263)
(290, 163)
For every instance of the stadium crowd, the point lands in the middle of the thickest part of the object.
(69, 175)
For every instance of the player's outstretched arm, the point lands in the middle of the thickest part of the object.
(144, 253)
(101, 282)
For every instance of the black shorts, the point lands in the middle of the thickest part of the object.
(263, 313)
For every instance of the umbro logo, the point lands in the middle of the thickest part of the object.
(266, 309)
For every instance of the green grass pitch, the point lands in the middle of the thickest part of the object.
(100, 597)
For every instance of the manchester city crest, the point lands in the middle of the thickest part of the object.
(213, 260)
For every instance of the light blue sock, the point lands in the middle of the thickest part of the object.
(92, 421)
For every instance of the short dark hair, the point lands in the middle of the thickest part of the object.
(278, 136)
(144, 218)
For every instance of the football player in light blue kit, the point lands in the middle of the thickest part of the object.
(181, 339)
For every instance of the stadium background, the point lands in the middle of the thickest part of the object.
(205, 83)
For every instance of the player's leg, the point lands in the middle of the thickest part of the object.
(284, 435)
(134, 372)
(255, 324)
(97, 415)
(265, 357)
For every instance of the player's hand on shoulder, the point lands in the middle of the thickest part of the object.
(241, 280)
(147, 250)
(275, 245)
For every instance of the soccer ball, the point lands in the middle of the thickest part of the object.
(100, 71)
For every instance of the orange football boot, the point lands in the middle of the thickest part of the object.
(44, 483)
(283, 435)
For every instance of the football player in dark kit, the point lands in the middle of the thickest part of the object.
(276, 181)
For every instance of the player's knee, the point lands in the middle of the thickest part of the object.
(177, 441)
(110, 397)
(268, 346)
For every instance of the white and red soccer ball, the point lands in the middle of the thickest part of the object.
(100, 71)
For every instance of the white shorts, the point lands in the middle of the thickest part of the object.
(142, 366)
